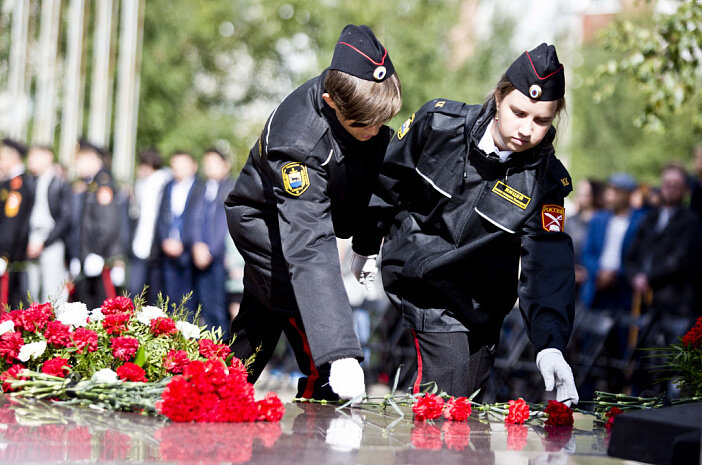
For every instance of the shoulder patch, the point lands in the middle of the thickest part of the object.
(13, 203)
(552, 218)
(104, 195)
(440, 104)
(404, 129)
(295, 178)
(16, 183)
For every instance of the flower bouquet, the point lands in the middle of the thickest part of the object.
(127, 356)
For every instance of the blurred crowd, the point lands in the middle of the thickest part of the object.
(75, 235)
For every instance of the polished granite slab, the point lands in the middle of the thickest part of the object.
(308, 434)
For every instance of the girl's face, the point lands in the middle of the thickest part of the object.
(522, 123)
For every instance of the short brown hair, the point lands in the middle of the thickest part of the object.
(504, 87)
(365, 102)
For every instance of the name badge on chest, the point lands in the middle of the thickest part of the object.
(507, 204)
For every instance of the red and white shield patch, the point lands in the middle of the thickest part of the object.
(553, 218)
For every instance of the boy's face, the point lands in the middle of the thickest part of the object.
(88, 163)
(214, 166)
(183, 166)
(39, 160)
(359, 132)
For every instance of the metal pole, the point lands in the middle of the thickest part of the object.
(72, 88)
(45, 114)
(127, 91)
(99, 118)
(18, 69)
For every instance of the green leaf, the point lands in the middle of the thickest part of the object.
(140, 356)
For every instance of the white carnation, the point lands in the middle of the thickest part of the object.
(73, 314)
(189, 330)
(96, 315)
(148, 313)
(104, 376)
(33, 350)
(7, 326)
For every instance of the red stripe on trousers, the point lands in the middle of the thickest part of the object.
(107, 282)
(4, 288)
(314, 374)
(419, 364)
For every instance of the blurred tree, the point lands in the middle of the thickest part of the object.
(617, 124)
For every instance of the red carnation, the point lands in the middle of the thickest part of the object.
(32, 319)
(176, 361)
(613, 412)
(457, 409)
(131, 372)
(425, 436)
(518, 411)
(270, 408)
(428, 407)
(11, 374)
(209, 349)
(10, 344)
(116, 323)
(456, 435)
(56, 366)
(117, 305)
(693, 338)
(84, 338)
(163, 325)
(58, 334)
(124, 348)
(516, 436)
(559, 414)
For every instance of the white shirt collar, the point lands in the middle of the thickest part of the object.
(487, 144)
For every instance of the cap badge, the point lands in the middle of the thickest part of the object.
(379, 73)
(535, 91)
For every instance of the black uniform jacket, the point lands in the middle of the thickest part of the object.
(16, 201)
(458, 221)
(102, 219)
(304, 184)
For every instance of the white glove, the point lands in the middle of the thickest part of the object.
(74, 267)
(556, 370)
(364, 269)
(117, 274)
(3, 266)
(93, 265)
(346, 378)
(344, 434)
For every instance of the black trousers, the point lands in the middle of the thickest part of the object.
(257, 329)
(458, 363)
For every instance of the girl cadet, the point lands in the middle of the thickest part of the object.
(465, 191)
(308, 180)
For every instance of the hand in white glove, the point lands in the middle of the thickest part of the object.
(117, 274)
(556, 370)
(364, 269)
(346, 378)
(3, 265)
(93, 265)
(74, 267)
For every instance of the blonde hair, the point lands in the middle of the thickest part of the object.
(365, 102)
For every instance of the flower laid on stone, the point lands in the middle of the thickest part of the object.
(613, 412)
(428, 407)
(457, 409)
(559, 414)
(518, 412)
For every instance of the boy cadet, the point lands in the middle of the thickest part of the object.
(308, 180)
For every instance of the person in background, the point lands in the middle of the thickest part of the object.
(145, 266)
(234, 284)
(609, 238)
(97, 253)
(663, 262)
(208, 249)
(696, 182)
(588, 199)
(175, 229)
(49, 224)
(16, 200)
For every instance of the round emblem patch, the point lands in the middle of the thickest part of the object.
(379, 73)
(13, 203)
(295, 178)
(104, 195)
(535, 91)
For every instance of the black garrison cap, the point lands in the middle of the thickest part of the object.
(359, 53)
(538, 74)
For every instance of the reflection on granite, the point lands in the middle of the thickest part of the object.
(41, 433)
